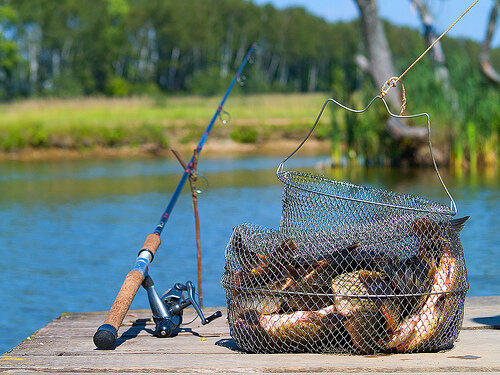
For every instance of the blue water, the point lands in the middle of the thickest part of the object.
(70, 231)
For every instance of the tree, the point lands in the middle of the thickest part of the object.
(9, 57)
(436, 53)
(484, 56)
(381, 66)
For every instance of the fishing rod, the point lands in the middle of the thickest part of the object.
(105, 337)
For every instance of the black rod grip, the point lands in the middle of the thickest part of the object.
(105, 337)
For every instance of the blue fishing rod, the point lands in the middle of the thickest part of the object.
(167, 310)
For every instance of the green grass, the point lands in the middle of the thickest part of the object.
(161, 122)
(106, 122)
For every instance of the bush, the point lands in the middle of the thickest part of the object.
(208, 82)
(244, 135)
(13, 139)
(118, 86)
(65, 85)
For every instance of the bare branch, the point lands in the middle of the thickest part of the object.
(436, 52)
(398, 130)
(484, 55)
(363, 63)
(381, 67)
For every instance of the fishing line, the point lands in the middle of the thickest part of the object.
(392, 82)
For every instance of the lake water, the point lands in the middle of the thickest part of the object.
(70, 231)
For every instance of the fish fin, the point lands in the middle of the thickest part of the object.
(458, 224)
(353, 246)
(287, 246)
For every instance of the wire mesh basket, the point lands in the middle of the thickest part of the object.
(350, 269)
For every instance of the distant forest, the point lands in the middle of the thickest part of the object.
(75, 48)
(125, 47)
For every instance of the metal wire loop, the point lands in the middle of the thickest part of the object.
(224, 116)
(280, 170)
(198, 190)
(242, 80)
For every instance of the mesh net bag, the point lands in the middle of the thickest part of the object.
(350, 269)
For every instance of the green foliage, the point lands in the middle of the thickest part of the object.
(9, 54)
(64, 85)
(244, 135)
(148, 89)
(118, 86)
(13, 139)
(208, 82)
(67, 48)
(78, 135)
(152, 133)
(38, 136)
(191, 46)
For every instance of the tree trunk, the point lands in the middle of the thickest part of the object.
(34, 46)
(312, 79)
(56, 63)
(484, 55)
(273, 66)
(172, 70)
(436, 53)
(283, 80)
(381, 67)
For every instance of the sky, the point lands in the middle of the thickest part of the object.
(472, 25)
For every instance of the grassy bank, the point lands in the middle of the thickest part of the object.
(85, 123)
(128, 126)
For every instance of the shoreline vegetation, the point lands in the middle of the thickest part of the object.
(140, 77)
(264, 124)
(144, 126)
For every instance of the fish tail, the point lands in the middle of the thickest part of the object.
(458, 224)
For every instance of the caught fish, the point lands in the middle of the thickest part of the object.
(309, 272)
(427, 229)
(309, 282)
(415, 330)
(262, 304)
(268, 268)
(298, 330)
(301, 327)
(309, 293)
(387, 302)
(411, 276)
(349, 291)
(369, 319)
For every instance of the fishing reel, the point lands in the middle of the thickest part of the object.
(167, 309)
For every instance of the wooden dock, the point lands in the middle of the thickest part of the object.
(65, 346)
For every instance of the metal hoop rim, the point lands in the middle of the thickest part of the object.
(282, 176)
(315, 294)
(280, 172)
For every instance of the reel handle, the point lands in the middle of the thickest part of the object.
(105, 337)
(190, 288)
(214, 316)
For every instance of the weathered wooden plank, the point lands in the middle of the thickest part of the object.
(141, 344)
(222, 344)
(459, 359)
(482, 313)
(233, 372)
(95, 318)
(65, 346)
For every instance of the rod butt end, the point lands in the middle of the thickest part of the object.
(105, 337)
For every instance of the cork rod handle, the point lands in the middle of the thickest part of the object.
(105, 337)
